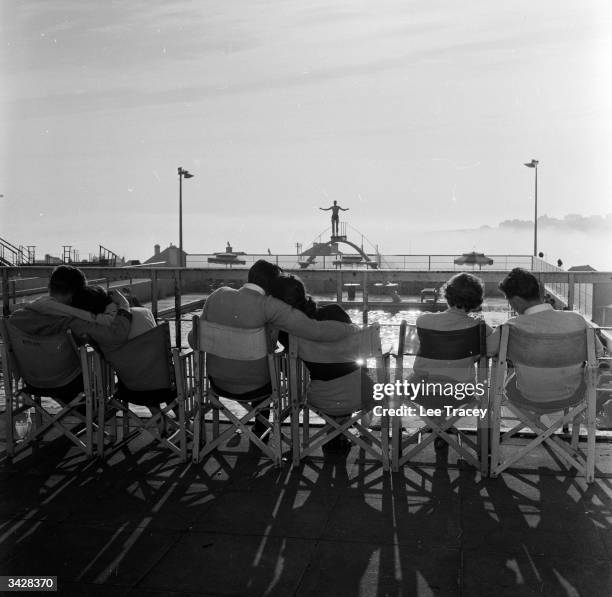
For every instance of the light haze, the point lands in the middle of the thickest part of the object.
(417, 116)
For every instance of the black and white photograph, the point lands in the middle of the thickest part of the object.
(305, 298)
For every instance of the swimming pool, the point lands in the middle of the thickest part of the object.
(495, 312)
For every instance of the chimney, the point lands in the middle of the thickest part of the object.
(156, 249)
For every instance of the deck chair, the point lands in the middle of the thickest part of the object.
(445, 346)
(546, 351)
(37, 367)
(147, 372)
(247, 345)
(361, 346)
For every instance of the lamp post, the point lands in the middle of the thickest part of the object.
(182, 174)
(534, 164)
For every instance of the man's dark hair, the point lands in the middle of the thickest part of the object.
(91, 298)
(66, 279)
(262, 273)
(464, 291)
(521, 283)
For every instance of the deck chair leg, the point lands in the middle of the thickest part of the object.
(295, 432)
(182, 431)
(566, 425)
(575, 432)
(37, 423)
(215, 423)
(125, 420)
(483, 443)
(306, 428)
(10, 423)
(495, 436)
(384, 439)
(199, 431)
(101, 426)
(396, 443)
(89, 424)
(591, 432)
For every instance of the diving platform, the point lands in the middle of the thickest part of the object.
(331, 248)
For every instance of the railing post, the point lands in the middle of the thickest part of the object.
(154, 293)
(5, 292)
(177, 307)
(429, 263)
(570, 292)
(365, 296)
(338, 286)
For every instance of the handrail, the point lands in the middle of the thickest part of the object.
(579, 292)
(19, 256)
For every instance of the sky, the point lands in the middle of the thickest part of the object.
(418, 116)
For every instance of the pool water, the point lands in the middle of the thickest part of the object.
(495, 312)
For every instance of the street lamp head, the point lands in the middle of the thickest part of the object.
(184, 173)
(532, 164)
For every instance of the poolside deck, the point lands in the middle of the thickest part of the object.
(144, 524)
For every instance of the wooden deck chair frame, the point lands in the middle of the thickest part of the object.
(403, 449)
(570, 454)
(210, 401)
(20, 400)
(181, 375)
(377, 447)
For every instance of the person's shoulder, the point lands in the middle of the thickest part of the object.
(572, 316)
(427, 318)
(220, 294)
(222, 290)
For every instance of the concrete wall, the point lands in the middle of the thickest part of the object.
(602, 304)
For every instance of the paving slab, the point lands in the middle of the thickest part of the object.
(369, 570)
(244, 565)
(290, 513)
(503, 575)
(83, 553)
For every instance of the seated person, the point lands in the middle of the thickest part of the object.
(464, 294)
(93, 300)
(251, 307)
(338, 389)
(541, 387)
(50, 315)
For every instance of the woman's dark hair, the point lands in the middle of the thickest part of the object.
(91, 298)
(521, 283)
(290, 289)
(464, 291)
(263, 273)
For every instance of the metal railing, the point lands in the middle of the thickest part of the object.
(579, 294)
(178, 286)
(14, 256)
(385, 262)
